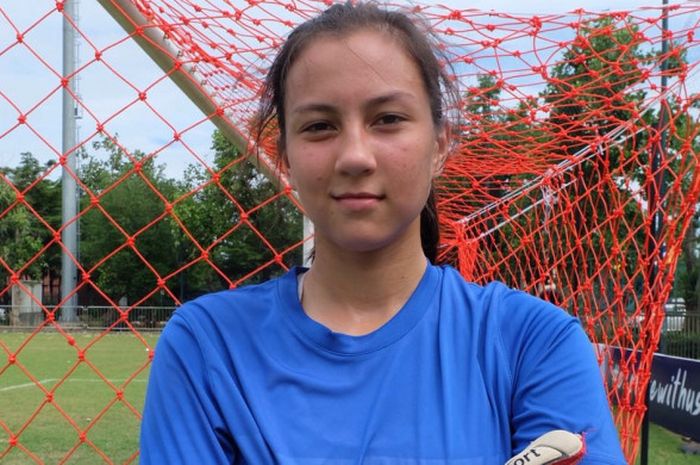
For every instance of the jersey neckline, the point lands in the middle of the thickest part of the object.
(339, 343)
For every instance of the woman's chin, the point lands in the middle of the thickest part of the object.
(367, 244)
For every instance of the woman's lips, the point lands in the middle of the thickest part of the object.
(357, 201)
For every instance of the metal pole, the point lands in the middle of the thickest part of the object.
(69, 236)
(656, 197)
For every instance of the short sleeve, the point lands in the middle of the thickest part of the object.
(181, 424)
(557, 382)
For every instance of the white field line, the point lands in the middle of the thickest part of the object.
(70, 380)
(20, 386)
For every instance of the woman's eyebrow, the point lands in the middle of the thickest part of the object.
(389, 97)
(314, 107)
(372, 102)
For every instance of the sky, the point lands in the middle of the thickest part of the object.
(30, 74)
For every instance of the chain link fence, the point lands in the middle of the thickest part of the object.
(20, 318)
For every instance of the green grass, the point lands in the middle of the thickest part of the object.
(664, 448)
(111, 424)
(93, 406)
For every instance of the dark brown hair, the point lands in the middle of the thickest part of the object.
(341, 19)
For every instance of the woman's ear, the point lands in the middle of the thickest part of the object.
(441, 150)
(290, 178)
(284, 163)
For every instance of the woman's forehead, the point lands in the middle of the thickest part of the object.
(366, 62)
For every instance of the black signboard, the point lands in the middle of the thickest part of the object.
(674, 394)
(674, 391)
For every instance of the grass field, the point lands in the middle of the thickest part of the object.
(664, 448)
(84, 396)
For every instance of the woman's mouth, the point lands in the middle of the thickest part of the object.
(358, 201)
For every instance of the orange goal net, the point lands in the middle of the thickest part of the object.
(573, 178)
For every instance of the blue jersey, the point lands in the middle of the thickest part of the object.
(461, 375)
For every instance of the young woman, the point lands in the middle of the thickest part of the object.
(373, 355)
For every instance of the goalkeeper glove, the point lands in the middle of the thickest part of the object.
(556, 447)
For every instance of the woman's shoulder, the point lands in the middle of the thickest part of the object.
(520, 328)
(495, 303)
(239, 306)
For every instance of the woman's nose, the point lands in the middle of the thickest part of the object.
(355, 156)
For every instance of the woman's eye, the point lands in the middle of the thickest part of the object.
(390, 119)
(317, 127)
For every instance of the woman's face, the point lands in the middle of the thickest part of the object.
(360, 142)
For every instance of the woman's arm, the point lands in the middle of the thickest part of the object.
(557, 383)
(181, 424)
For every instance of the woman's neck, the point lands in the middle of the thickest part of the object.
(356, 293)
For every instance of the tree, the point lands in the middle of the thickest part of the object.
(220, 211)
(124, 242)
(598, 87)
(225, 216)
(22, 235)
(504, 147)
(687, 283)
(19, 241)
(591, 92)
